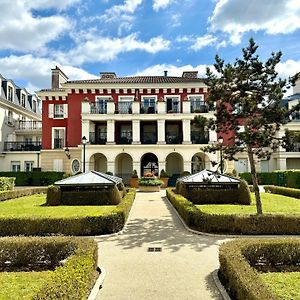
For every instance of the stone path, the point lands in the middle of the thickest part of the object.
(182, 270)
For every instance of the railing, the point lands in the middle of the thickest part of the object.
(175, 109)
(198, 106)
(29, 125)
(58, 143)
(22, 146)
(98, 108)
(149, 138)
(199, 137)
(294, 148)
(125, 107)
(98, 139)
(173, 139)
(146, 109)
(124, 140)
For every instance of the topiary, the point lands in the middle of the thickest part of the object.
(53, 195)
(163, 174)
(244, 193)
(134, 174)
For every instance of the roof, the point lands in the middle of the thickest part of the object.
(206, 176)
(137, 79)
(91, 178)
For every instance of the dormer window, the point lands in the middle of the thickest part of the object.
(10, 94)
(23, 100)
(34, 106)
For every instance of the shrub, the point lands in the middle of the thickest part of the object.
(185, 173)
(149, 181)
(244, 193)
(134, 174)
(233, 224)
(6, 195)
(163, 174)
(109, 173)
(7, 183)
(88, 225)
(53, 195)
(237, 259)
(73, 280)
(295, 193)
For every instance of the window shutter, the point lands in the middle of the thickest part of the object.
(50, 111)
(65, 110)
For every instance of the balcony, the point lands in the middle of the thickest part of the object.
(146, 109)
(294, 148)
(199, 137)
(198, 106)
(173, 139)
(29, 125)
(148, 138)
(98, 139)
(98, 108)
(124, 140)
(124, 107)
(22, 146)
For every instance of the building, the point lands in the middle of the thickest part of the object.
(21, 128)
(142, 123)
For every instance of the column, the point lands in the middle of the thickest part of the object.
(186, 106)
(85, 106)
(136, 132)
(161, 107)
(110, 132)
(187, 166)
(110, 107)
(281, 164)
(161, 136)
(213, 136)
(136, 107)
(85, 129)
(136, 166)
(111, 167)
(186, 129)
(161, 166)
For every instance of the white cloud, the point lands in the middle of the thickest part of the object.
(21, 31)
(45, 4)
(203, 41)
(161, 4)
(236, 17)
(37, 71)
(102, 49)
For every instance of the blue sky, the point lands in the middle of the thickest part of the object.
(140, 37)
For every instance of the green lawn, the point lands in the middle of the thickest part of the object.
(272, 203)
(21, 285)
(34, 206)
(284, 285)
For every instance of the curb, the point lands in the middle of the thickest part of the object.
(220, 286)
(98, 284)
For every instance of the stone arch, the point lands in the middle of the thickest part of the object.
(149, 163)
(124, 166)
(98, 162)
(200, 161)
(174, 164)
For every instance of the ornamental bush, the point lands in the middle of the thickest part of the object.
(6, 195)
(7, 183)
(150, 181)
(289, 192)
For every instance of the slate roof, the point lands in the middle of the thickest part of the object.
(137, 79)
(91, 178)
(205, 175)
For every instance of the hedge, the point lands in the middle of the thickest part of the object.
(73, 280)
(7, 183)
(88, 225)
(288, 178)
(6, 195)
(295, 193)
(239, 258)
(233, 224)
(240, 195)
(34, 178)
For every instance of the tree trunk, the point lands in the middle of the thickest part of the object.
(254, 180)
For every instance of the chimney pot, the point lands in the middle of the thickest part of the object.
(166, 73)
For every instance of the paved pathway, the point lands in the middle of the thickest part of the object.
(183, 270)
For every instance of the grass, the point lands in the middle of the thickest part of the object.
(272, 204)
(21, 285)
(33, 206)
(284, 285)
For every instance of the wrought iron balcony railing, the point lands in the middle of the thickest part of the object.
(146, 109)
(98, 108)
(149, 138)
(98, 139)
(29, 125)
(198, 106)
(22, 146)
(199, 137)
(173, 139)
(125, 107)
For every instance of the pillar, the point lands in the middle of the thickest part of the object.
(213, 136)
(86, 129)
(137, 166)
(111, 167)
(136, 132)
(186, 106)
(85, 106)
(136, 107)
(281, 164)
(161, 166)
(186, 129)
(161, 107)
(110, 107)
(187, 166)
(161, 136)
(110, 132)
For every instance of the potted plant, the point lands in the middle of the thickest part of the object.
(164, 177)
(133, 181)
(149, 183)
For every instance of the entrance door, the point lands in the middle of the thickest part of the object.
(149, 164)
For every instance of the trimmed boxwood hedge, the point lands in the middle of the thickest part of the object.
(34, 178)
(295, 193)
(73, 280)
(89, 225)
(238, 258)
(6, 195)
(232, 224)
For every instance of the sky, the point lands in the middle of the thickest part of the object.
(140, 37)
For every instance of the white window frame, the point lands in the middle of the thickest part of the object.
(173, 97)
(53, 137)
(15, 163)
(196, 96)
(61, 107)
(128, 98)
(31, 165)
(23, 97)
(34, 105)
(10, 88)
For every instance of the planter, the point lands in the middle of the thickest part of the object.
(149, 188)
(165, 182)
(134, 182)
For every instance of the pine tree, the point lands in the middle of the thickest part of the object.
(247, 95)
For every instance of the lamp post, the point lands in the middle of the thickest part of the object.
(84, 140)
(220, 140)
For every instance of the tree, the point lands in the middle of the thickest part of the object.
(247, 95)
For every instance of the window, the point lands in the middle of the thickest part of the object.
(58, 110)
(28, 141)
(148, 105)
(10, 94)
(28, 166)
(173, 104)
(10, 120)
(75, 166)
(34, 105)
(58, 138)
(100, 105)
(198, 104)
(15, 166)
(125, 104)
(23, 100)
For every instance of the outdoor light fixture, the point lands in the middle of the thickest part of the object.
(67, 152)
(84, 140)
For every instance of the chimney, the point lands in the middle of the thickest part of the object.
(190, 74)
(58, 78)
(108, 75)
(165, 73)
